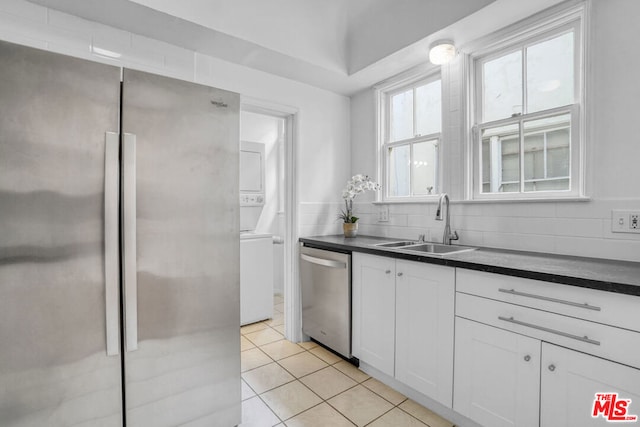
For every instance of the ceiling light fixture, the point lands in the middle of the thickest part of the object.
(441, 52)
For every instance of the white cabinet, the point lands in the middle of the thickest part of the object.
(531, 353)
(374, 311)
(403, 315)
(571, 379)
(497, 375)
(424, 328)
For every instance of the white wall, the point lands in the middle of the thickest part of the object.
(575, 228)
(322, 134)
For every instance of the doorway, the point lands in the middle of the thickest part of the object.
(274, 126)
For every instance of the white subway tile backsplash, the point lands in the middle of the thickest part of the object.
(413, 209)
(16, 26)
(548, 227)
(108, 37)
(579, 227)
(534, 225)
(625, 250)
(535, 243)
(182, 63)
(11, 35)
(203, 65)
(528, 209)
(318, 230)
(418, 221)
(144, 51)
(468, 237)
(67, 41)
(372, 230)
(469, 209)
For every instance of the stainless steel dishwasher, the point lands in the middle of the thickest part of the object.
(326, 298)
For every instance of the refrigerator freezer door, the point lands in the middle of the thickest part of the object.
(54, 368)
(186, 368)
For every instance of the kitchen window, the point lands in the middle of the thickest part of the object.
(527, 110)
(410, 138)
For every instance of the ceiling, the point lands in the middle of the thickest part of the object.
(340, 45)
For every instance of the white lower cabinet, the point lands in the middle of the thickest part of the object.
(374, 310)
(424, 329)
(570, 381)
(403, 314)
(497, 376)
(531, 353)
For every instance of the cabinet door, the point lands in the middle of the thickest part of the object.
(497, 376)
(424, 328)
(570, 381)
(374, 296)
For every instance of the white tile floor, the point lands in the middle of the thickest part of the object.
(305, 385)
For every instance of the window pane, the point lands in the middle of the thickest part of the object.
(399, 170)
(429, 108)
(501, 159)
(425, 157)
(547, 154)
(401, 120)
(502, 87)
(550, 73)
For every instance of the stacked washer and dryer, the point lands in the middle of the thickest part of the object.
(256, 248)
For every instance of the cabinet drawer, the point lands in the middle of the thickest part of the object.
(611, 343)
(596, 306)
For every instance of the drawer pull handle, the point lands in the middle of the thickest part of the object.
(552, 368)
(553, 331)
(527, 358)
(542, 297)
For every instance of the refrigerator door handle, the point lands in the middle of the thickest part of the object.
(111, 249)
(129, 241)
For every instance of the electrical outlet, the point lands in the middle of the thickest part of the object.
(625, 221)
(383, 213)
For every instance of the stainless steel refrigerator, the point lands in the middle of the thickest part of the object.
(119, 249)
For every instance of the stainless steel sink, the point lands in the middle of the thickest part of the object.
(396, 244)
(409, 246)
(437, 249)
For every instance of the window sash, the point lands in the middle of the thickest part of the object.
(386, 148)
(480, 61)
(574, 156)
(385, 95)
(388, 108)
(571, 21)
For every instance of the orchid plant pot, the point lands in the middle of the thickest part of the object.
(356, 185)
(350, 229)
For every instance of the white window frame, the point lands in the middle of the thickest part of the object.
(384, 93)
(539, 28)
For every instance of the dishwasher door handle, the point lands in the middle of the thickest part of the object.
(325, 262)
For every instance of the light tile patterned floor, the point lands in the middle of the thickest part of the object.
(305, 385)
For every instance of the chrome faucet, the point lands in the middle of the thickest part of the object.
(447, 236)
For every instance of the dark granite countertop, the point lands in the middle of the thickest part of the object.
(607, 275)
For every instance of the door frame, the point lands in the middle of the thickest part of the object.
(293, 313)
